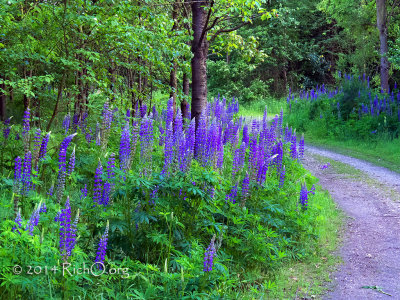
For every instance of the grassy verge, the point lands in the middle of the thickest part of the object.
(308, 278)
(381, 153)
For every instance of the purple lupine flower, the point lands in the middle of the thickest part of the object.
(43, 146)
(84, 192)
(75, 121)
(17, 175)
(89, 136)
(107, 116)
(101, 250)
(111, 167)
(62, 165)
(293, 147)
(18, 220)
(280, 122)
(26, 122)
(67, 241)
(71, 163)
(220, 151)
(43, 208)
(66, 122)
(325, 166)
(312, 191)
(168, 149)
(303, 197)
(238, 160)
(178, 127)
(232, 195)
(146, 137)
(246, 137)
(245, 190)
(7, 128)
(201, 138)
(27, 173)
(105, 196)
(125, 148)
(282, 177)
(51, 190)
(98, 183)
(33, 221)
(74, 228)
(209, 256)
(143, 110)
(155, 113)
(161, 129)
(301, 147)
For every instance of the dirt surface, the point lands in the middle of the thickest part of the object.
(371, 238)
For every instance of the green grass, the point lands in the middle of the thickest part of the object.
(381, 153)
(256, 109)
(309, 278)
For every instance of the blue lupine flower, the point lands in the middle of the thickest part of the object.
(27, 173)
(71, 164)
(26, 122)
(18, 221)
(66, 122)
(245, 189)
(17, 175)
(303, 197)
(209, 256)
(7, 128)
(301, 147)
(282, 177)
(125, 148)
(33, 221)
(98, 183)
(101, 250)
(43, 146)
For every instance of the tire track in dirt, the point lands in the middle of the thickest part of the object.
(371, 237)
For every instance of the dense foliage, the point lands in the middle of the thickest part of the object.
(161, 213)
(304, 46)
(351, 111)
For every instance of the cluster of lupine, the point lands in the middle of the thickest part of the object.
(388, 103)
(256, 147)
(67, 230)
(303, 200)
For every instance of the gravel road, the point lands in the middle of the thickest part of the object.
(371, 241)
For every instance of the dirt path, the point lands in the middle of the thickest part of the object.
(371, 248)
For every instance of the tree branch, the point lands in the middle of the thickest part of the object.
(203, 33)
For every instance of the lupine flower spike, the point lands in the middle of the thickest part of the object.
(101, 250)
(209, 256)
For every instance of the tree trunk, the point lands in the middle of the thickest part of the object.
(173, 83)
(59, 96)
(199, 67)
(381, 18)
(185, 88)
(2, 101)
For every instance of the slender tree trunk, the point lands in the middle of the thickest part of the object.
(59, 96)
(199, 67)
(381, 19)
(2, 101)
(184, 103)
(173, 81)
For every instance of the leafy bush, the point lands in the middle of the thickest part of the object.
(174, 220)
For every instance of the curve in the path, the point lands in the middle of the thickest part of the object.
(371, 249)
(381, 174)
